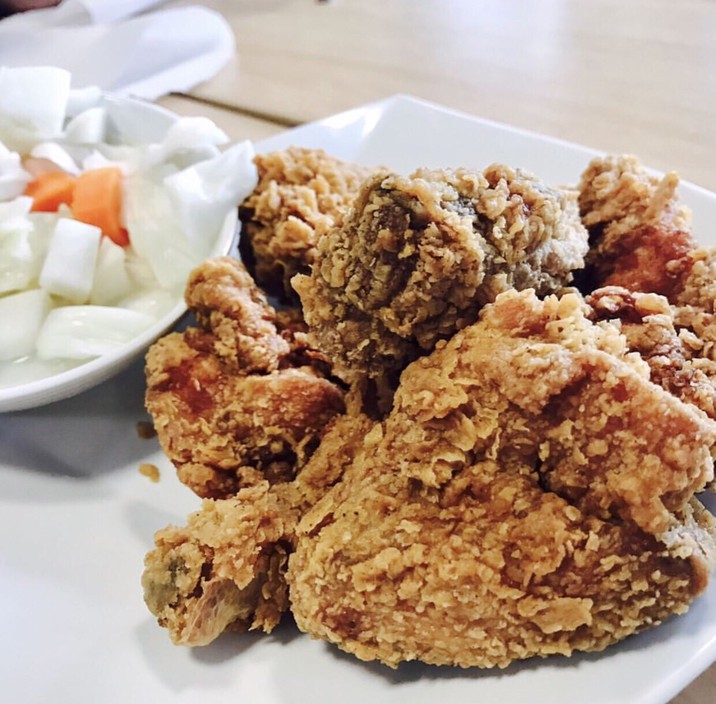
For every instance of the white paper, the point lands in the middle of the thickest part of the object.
(128, 48)
(106, 11)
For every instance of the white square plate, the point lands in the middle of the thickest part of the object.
(76, 518)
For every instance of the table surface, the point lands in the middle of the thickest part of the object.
(637, 76)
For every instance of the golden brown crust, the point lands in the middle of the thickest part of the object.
(530, 493)
(299, 195)
(698, 288)
(617, 195)
(225, 300)
(226, 568)
(228, 395)
(639, 231)
(415, 258)
(641, 245)
(647, 259)
(640, 242)
(677, 343)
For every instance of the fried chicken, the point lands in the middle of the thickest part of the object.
(641, 245)
(299, 195)
(236, 394)
(639, 231)
(531, 493)
(530, 487)
(617, 195)
(681, 353)
(225, 570)
(415, 258)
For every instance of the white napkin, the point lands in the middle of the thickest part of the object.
(119, 45)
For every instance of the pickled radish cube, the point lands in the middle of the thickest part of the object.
(13, 177)
(15, 209)
(82, 99)
(33, 102)
(111, 278)
(22, 252)
(88, 127)
(83, 332)
(21, 316)
(18, 260)
(69, 266)
(14, 217)
(43, 227)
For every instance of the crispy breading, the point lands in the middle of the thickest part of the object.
(416, 257)
(639, 230)
(222, 570)
(680, 352)
(617, 195)
(697, 293)
(226, 301)
(299, 195)
(530, 493)
(648, 259)
(640, 241)
(225, 570)
(236, 392)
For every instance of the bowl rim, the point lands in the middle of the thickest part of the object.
(86, 375)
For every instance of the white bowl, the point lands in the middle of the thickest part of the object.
(138, 122)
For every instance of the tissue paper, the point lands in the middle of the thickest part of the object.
(128, 48)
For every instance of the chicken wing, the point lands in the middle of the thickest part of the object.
(236, 392)
(226, 568)
(531, 493)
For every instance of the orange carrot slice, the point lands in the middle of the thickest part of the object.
(49, 190)
(97, 200)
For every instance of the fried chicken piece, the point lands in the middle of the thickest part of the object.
(680, 352)
(641, 242)
(299, 195)
(531, 493)
(639, 231)
(618, 195)
(225, 570)
(415, 258)
(236, 392)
